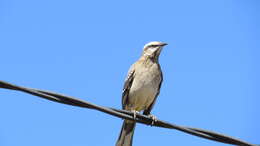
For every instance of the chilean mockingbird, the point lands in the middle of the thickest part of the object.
(141, 88)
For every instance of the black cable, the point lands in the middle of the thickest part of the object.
(125, 114)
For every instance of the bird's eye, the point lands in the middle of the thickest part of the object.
(152, 46)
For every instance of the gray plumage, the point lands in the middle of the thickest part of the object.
(141, 88)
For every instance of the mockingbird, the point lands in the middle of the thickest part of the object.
(141, 88)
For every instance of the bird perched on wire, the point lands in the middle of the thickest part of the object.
(141, 88)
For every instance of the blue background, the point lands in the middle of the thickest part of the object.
(84, 49)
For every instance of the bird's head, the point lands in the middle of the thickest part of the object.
(153, 49)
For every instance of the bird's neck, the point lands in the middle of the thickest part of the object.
(148, 60)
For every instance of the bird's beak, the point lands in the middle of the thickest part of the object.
(163, 44)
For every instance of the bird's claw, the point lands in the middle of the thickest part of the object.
(154, 119)
(135, 112)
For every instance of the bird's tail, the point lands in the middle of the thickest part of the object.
(126, 135)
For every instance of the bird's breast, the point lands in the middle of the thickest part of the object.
(144, 89)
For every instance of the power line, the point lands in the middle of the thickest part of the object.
(125, 114)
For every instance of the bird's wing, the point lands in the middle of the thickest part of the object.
(127, 85)
(148, 110)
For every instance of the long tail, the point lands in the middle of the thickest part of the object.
(126, 135)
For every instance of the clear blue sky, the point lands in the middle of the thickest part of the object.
(84, 49)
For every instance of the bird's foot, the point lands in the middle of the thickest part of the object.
(154, 119)
(135, 112)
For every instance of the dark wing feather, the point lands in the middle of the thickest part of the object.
(127, 86)
(148, 110)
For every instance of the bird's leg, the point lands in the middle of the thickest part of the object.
(135, 112)
(154, 119)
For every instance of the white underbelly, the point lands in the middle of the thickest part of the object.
(142, 94)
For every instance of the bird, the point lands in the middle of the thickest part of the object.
(141, 88)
